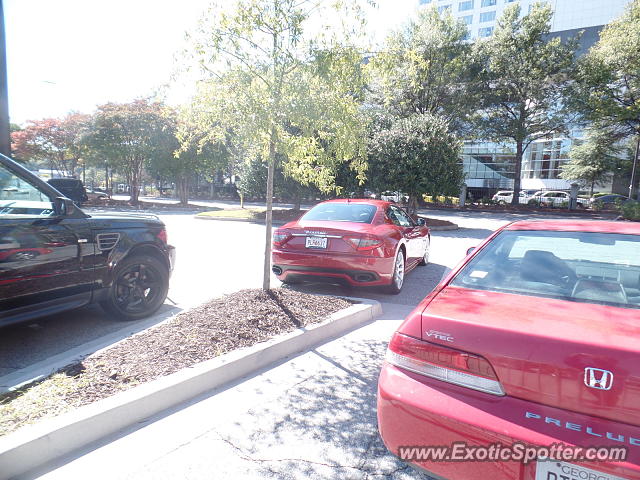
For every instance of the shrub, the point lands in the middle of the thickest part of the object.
(631, 211)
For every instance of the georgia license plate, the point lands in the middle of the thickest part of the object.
(316, 242)
(554, 470)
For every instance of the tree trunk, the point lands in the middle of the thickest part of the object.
(134, 187)
(183, 190)
(518, 173)
(297, 203)
(266, 274)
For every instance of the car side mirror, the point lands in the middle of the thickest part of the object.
(421, 222)
(63, 206)
(471, 250)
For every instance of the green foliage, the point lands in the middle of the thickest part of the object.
(131, 136)
(252, 183)
(592, 161)
(279, 89)
(631, 211)
(523, 81)
(426, 67)
(607, 90)
(416, 155)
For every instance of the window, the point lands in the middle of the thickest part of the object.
(468, 19)
(485, 32)
(600, 268)
(399, 217)
(342, 212)
(444, 8)
(20, 198)
(467, 5)
(424, 2)
(488, 3)
(487, 16)
(509, 1)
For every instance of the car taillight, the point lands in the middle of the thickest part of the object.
(443, 363)
(363, 242)
(162, 235)
(280, 237)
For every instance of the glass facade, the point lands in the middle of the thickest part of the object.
(488, 3)
(485, 32)
(490, 163)
(544, 158)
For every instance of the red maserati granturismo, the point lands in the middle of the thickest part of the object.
(360, 242)
(524, 363)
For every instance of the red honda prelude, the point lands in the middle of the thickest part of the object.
(531, 345)
(360, 242)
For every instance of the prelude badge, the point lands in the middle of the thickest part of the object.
(598, 379)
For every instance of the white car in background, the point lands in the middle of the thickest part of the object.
(505, 196)
(555, 198)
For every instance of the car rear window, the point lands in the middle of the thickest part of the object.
(602, 268)
(341, 212)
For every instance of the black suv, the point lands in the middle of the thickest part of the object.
(71, 188)
(55, 257)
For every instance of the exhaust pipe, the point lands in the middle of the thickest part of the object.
(277, 270)
(364, 277)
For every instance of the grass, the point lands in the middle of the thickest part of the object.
(254, 214)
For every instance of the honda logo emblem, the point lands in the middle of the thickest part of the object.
(598, 379)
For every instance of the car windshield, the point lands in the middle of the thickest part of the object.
(341, 212)
(601, 268)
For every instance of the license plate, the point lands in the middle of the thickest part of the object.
(316, 242)
(554, 470)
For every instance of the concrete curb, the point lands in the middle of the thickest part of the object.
(36, 445)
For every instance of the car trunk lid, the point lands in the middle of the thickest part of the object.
(318, 237)
(549, 351)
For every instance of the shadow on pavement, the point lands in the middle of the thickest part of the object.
(329, 429)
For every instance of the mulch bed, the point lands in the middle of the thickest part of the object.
(238, 320)
(436, 222)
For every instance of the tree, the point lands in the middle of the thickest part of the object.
(279, 89)
(419, 91)
(417, 155)
(53, 142)
(130, 135)
(592, 161)
(426, 67)
(253, 184)
(607, 87)
(523, 82)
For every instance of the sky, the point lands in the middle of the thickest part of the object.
(72, 55)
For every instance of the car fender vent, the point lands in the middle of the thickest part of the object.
(106, 241)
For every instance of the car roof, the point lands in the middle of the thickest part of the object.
(368, 201)
(596, 226)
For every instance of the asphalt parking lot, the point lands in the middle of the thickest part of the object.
(313, 416)
(310, 417)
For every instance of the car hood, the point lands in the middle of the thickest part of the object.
(124, 220)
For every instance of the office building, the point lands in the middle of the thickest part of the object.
(491, 166)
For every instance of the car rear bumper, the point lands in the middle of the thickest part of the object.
(353, 269)
(418, 411)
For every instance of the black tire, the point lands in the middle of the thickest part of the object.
(397, 278)
(139, 288)
(425, 258)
